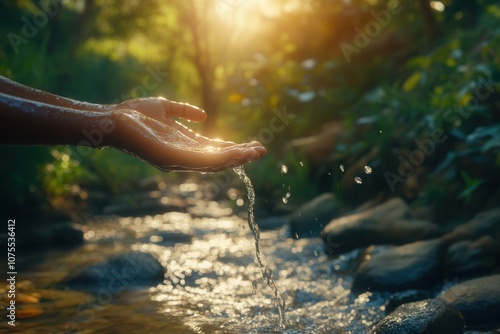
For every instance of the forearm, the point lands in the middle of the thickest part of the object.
(25, 122)
(16, 89)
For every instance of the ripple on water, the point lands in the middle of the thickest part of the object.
(209, 282)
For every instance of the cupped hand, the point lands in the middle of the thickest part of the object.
(146, 128)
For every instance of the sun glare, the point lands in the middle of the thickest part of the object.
(247, 14)
(238, 14)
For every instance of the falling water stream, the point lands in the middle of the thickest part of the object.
(266, 274)
(211, 277)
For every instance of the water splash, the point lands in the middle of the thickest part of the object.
(266, 273)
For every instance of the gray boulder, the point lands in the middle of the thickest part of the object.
(310, 218)
(484, 223)
(431, 316)
(477, 299)
(412, 266)
(471, 258)
(388, 223)
(119, 273)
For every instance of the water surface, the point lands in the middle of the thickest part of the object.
(209, 282)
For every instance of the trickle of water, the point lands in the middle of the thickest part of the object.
(266, 274)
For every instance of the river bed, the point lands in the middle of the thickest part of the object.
(209, 282)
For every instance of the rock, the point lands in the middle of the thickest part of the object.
(467, 258)
(67, 235)
(388, 223)
(431, 316)
(423, 213)
(119, 273)
(484, 223)
(405, 297)
(412, 266)
(47, 235)
(478, 300)
(273, 222)
(310, 218)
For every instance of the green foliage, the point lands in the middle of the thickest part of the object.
(61, 173)
(111, 170)
(274, 178)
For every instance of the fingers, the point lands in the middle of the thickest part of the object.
(184, 110)
(215, 161)
(160, 108)
(168, 145)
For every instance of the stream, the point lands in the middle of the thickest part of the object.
(213, 282)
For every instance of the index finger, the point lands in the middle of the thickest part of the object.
(184, 110)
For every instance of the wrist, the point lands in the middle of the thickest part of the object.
(101, 134)
(116, 123)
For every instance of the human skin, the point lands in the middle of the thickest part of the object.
(145, 128)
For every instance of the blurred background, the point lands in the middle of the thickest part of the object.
(329, 87)
(365, 100)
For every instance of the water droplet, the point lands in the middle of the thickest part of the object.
(287, 196)
(342, 168)
(284, 169)
(368, 170)
(358, 180)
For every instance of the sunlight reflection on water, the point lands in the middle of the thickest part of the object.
(208, 286)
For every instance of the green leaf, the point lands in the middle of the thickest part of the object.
(470, 185)
(411, 82)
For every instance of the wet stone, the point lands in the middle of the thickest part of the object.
(119, 273)
(482, 224)
(431, 316)
(471, 258)
(405, 297)
(310, 218)
(67, 236)
(388, 223)
(412, 266)
(478, 300)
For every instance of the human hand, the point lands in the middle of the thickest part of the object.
(146, 128)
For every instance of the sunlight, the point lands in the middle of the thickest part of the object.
(437, 5)
(239, 14)
(247, 14)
